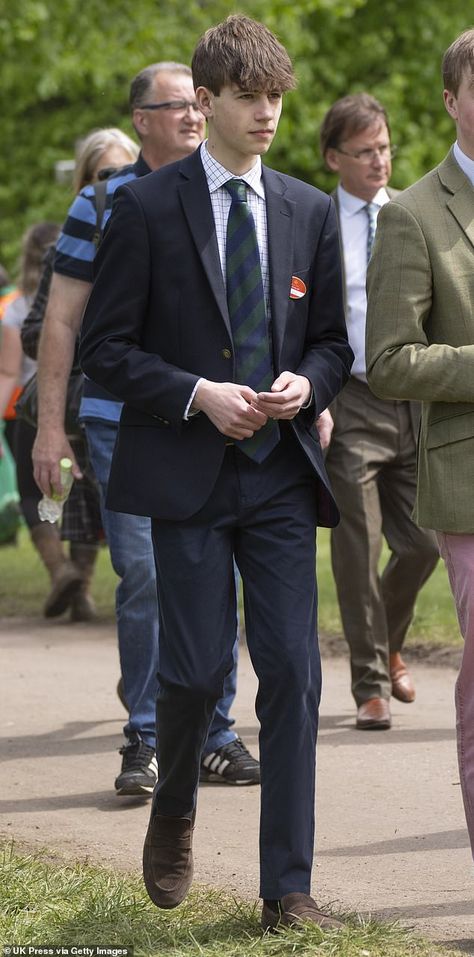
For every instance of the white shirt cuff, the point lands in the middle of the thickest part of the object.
(187, 414)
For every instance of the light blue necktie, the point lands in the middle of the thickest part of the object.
(371, 210)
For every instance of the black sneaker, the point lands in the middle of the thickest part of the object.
(231, 764)
(139, 772)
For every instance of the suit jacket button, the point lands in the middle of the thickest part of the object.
(226, 353)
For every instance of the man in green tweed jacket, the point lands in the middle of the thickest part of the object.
(420, 345)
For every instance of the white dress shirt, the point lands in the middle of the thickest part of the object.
(216, 176)
(465, 162)
(354, 224)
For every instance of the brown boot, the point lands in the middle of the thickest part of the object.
(83, 605)
(65, 577)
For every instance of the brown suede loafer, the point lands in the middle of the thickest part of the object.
(373, 715)
(403, 688)
(168, 859)
(297, 909)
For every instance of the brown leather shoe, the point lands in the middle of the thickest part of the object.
(168, 859)
(403, 688)
(373, 715)
(297, 909)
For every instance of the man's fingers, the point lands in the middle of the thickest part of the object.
(46, 479)
(48, 476)
(282, 381)
(258, 417)
(276, 398)
(76, 472)
(247, 393)
(280, 410)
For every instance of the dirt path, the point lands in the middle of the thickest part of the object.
(391, 838)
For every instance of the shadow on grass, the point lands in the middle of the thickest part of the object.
(464, 944)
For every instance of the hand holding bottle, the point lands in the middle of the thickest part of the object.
(50, 508)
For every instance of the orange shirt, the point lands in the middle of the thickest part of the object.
(8, 294)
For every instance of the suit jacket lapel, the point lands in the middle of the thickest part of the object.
(280, 229)
(335, 196)
(461, 202)
(197, 208)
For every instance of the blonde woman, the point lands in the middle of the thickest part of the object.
(102, 152)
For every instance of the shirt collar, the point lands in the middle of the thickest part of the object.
(465, 162)
(141, 167)
(217, 175)
(350, 205)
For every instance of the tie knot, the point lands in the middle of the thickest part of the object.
(371, 210)
(237, 189)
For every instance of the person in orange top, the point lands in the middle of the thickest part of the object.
(8, 292)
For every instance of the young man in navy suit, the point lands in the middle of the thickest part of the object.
(217, 317)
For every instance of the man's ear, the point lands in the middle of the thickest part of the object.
(205, 100)
(450, 102)
(331, 158)
(140, 121)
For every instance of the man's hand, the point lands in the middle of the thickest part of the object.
(325, 425)
(288, 393)
(230, 407)
(50, 446)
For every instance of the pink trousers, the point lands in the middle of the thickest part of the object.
(458, 554)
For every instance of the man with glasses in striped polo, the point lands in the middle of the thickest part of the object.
(169, 126)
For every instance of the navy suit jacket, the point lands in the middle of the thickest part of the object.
(157, 320)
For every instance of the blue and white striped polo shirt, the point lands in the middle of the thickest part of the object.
(75, 252)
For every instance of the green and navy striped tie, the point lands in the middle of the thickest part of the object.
(246, 301)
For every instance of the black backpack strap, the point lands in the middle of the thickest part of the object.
(100, 192)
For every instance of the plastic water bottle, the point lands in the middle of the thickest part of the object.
(50, 509)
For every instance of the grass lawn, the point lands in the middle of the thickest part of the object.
(45, 902)
(24, 583)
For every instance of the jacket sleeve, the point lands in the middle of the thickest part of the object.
(402, 361)
(111, 348)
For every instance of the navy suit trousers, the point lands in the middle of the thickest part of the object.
(265, 517)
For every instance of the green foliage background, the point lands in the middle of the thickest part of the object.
(66, 69)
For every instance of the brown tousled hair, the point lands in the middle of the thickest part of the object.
(34, 244)
(347, 116)
(245, 52)
(458, 57)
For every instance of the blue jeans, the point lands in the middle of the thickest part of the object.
(131, 553)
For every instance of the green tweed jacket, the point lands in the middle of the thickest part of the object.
(420, 334)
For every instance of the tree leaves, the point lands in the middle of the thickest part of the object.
(66, 69)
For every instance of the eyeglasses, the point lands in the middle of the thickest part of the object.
(366, 156)
(174, 105)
